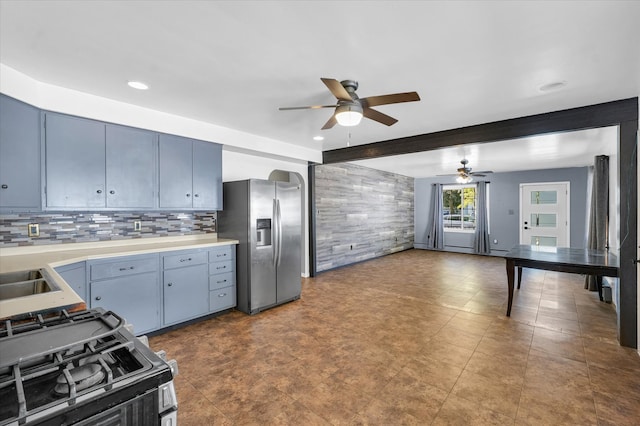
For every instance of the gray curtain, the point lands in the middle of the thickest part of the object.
(599, 212)
(481, 243)
(435, 236)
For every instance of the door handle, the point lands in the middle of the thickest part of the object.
(274, 234)
(279, 231)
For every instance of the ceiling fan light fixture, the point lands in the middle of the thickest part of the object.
(463, 179)
(349, 114)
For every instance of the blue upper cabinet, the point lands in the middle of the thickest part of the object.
(75, 162)
(131, 168)
(91, 165)
(20, 181)
(190, 174)
(207, 175)
(176, 168)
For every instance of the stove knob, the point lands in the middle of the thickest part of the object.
(144, 339)
(174, 366)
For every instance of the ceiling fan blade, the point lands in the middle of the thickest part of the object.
(330, 123)
(307, 107)
(396, 98)
(379, 117)
(337, 89)
(450, 174)
(482, 172)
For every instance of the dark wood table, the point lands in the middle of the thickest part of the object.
(600, 263)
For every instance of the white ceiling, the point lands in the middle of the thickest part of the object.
(233, 63)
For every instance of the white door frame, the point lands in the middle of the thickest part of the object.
(568, 198)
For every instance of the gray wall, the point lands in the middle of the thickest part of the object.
(361, 213)
(504, 208)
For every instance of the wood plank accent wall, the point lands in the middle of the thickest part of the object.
(361, 213)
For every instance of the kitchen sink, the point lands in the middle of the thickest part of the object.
(14, 277)
(25, 283)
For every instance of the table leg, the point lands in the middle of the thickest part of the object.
(599, 285)
(511, 265)
(519, 276)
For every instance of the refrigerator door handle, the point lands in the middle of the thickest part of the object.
(279, 231)
(274, 233)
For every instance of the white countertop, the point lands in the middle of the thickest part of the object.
(53, 256)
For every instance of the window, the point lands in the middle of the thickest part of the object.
(459, 208)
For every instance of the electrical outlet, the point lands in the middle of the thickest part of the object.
(137, 225)
(34, 230)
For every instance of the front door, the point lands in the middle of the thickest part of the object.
(544, 214)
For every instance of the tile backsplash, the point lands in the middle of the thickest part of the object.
(80, 227)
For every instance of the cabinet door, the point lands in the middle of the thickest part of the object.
(135, 298)
(176, 168)
(207, 175)
(75, 157)
(131, 167)
(186, 293)
(76, 276)
(19, 154)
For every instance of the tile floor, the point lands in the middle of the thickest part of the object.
(417, 337)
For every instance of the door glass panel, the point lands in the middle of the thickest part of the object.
(543, 241)
(544, 197)
(543, 220)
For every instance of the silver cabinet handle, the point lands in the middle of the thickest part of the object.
(221, 255)
(130, 268)
(222, 294)
(196, 195)
(98, 297)
(220, 282)
(188, 195)
(186, 260)
(169, 284)
(99, 191)
(112, 192)
(221, 267)
(5, 186)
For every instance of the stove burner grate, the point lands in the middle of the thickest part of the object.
(84, 353)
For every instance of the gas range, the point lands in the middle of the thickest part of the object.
(83, 368)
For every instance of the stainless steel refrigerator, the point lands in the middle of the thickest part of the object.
(265, 217)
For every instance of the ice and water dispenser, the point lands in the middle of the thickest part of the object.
(263, 228)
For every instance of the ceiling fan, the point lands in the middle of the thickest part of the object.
(465, 173)
(350, 108)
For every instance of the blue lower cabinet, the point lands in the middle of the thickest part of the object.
(75, 275)
(186, 293)
(222, 298)
(135, 298)
(128, 286)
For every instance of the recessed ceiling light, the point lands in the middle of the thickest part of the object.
(550, 87)
(138, 85)
(318, 138)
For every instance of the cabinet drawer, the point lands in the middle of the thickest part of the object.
(223, 298)
(221, 280)
(221, 253)
(129, 266)
(221, 267)
(184, 259)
